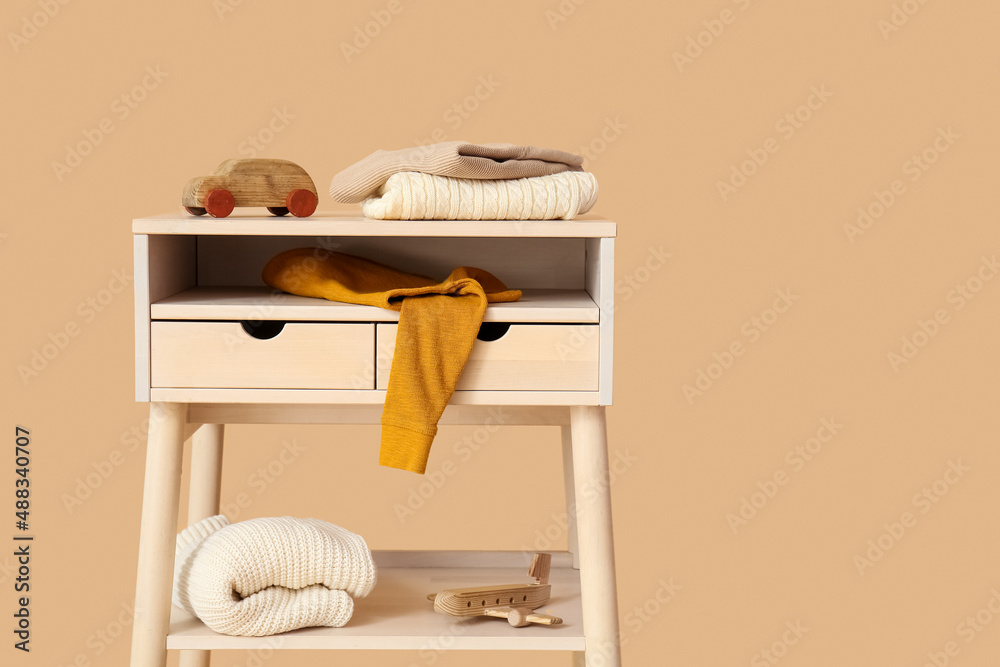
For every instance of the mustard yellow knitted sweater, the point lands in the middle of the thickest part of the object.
(438, 323)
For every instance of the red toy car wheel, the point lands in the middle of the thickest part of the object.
(277, 210)
(301, 203)
(219, 203)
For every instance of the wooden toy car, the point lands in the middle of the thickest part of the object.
(515, 602)
(282, 186)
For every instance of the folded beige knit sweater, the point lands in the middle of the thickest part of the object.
(411, 195)
(458, 159)
(270, 575)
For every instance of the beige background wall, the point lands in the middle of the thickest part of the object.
(159, 92)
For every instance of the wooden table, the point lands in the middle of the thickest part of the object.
(203, 360)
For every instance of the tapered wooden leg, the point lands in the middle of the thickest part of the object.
(567, 461)
(206, 472)
(158, 534)
(595, 535)
(203, 499)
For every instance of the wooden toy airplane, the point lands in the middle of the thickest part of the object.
(515, 602)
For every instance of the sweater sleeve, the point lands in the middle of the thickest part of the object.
(435, 337)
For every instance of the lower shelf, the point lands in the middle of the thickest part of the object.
(397, 615)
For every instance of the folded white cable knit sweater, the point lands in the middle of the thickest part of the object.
(270, 575)
(412, 195)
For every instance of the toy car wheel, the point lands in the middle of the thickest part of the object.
(278, 210)
(301, 203)
(195, 210)
(219, 203)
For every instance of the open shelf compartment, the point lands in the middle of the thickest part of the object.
(398, 615)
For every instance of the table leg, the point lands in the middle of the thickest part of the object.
(158, 534)
(596, 538)
(572, 544)
(203, 499)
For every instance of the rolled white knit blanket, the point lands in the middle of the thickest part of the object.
(270, 575)
(412, 195)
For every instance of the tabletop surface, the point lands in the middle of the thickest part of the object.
(344, 224)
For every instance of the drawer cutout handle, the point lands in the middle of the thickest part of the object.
(490, 331)
(262, 329)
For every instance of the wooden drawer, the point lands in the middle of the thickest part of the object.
(302, 355)
(528, 357)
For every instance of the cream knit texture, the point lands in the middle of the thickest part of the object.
(457, 159)
(270, 575)
(412, 195)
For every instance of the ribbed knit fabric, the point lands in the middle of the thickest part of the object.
(438, 323)
(411, 195)
(458, 159)
(265, 576)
